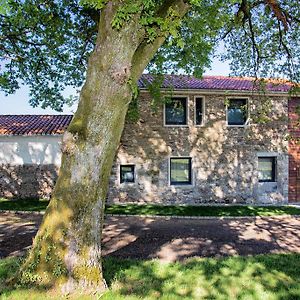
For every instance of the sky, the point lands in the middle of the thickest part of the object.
(17, 103)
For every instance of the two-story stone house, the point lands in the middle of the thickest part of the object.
(207, 143)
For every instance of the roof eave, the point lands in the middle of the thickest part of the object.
(220, 92)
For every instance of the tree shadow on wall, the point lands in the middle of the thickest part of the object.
(33, 179)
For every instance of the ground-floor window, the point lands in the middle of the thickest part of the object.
(127, 173)
(267, 169)
(180, 170)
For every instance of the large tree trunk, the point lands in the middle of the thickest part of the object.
(67, 248)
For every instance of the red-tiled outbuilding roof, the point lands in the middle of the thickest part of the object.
(34, 124)
(216, 83)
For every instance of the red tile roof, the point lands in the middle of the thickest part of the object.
(216, 83)
(57, 124)
(33, 124)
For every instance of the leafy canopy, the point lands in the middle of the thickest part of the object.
(46, 44)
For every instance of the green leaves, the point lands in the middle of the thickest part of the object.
(96, 4)
(4, 8)
(45, 45)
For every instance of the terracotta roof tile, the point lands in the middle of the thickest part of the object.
(57, 124)
(33, 124)
(215, 83)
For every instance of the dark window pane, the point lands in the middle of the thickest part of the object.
(175, 111)
(180, 171)
(127, 173)
(237, 112)
(266, 169)
(199, 111)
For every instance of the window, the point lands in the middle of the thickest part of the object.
(199, 111)
(176, 111)
(266, 169)
(180, 171)
(237, 112)
(126, 173)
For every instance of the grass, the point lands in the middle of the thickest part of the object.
(23, 204)
(158, 210)
(270, 277)
(218, 211)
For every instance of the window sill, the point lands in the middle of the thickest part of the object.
(237, 126)
(190, 185)
(184, 126)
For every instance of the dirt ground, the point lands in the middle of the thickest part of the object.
(169, 239)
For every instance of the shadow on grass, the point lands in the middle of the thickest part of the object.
(218, 211)
(24, 204)
(273, 276)
(258, 277)
(9, 267)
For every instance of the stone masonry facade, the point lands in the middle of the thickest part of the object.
(224, 159)
(27, 181)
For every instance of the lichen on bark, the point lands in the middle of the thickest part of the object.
(67, 249)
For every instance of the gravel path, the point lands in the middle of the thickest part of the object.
(170, 239)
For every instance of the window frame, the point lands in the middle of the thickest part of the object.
(133, 170)
(274, 168)
(181, 183)
(195, 111)
(187, 112)
(248, 111)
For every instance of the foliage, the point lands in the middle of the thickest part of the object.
(45, 45)
(274, 276)
(265, 40)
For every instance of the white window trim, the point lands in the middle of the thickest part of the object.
(134, 174)
(247, 123)
(169, 173)
(203, 111)
(187, 112)
(268, 154)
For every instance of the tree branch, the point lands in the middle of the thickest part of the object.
(146, 49)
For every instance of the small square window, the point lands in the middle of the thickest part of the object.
(126, 173)
(267, 169)
(180, 171)
(199, 111)
(176, 111)
(237, 112)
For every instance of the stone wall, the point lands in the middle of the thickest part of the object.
(28, 165)
(224, 159)
(27, 181)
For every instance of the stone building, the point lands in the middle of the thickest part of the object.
(215, 140)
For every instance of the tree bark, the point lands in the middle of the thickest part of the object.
(67, 248)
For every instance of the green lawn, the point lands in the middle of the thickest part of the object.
(265, 277)
(23, 204)
(157, 210)
(219, 211)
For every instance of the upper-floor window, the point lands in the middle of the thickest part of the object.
(176, 111)
(127, 173)
(266, 169)
(237, 112)
(199, 111)
(180, 170)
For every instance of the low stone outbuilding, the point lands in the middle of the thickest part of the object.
(206, 144)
